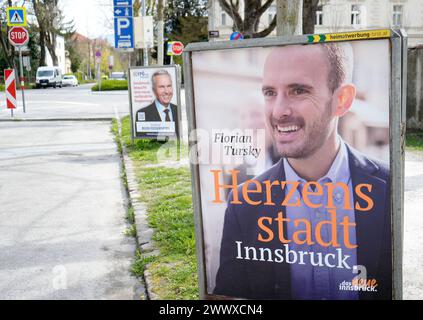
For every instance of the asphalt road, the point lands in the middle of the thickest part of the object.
(68, 103)
(62, 204)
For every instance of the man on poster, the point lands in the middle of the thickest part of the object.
(321, 216)
(161, 109)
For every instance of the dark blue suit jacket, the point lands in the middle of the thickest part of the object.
(269, 280)
(151, 114)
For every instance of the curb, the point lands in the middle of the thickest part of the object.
(144, 232)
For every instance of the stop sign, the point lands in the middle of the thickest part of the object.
(18, 36)
(177, 48)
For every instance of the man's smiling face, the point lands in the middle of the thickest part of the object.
(163, 89)
(298, 101)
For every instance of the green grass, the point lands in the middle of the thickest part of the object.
(1, 87)
(145, 151)
(109, 85)
(414, 140)
(166, 192)
(131, 231)
(130, 215)
(138, 267)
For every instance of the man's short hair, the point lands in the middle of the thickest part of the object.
(340, 59)
(161, 72)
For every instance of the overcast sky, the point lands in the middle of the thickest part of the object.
(93, 18)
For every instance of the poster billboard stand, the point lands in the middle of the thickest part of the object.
(397, 104)
(143, 95)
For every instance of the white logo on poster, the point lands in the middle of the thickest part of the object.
(141, 116)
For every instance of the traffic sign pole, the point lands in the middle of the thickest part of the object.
(19, 36)
(22, 78)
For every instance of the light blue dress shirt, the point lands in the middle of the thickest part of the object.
(161, 108)
(308, 281)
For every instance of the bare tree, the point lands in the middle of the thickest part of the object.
(7, 48)
(51, 23)
(248, 25)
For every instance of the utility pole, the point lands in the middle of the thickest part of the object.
(288, 17)
(211, 20)
(21, 78)
(145, 50)
(160, 44)
(88, 60)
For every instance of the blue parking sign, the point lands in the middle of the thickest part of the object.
(124, 33)
(120, 11)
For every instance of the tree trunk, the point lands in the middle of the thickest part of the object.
(51, 47)
(309, 15)
(42, 48)
(160, 44)
(288, 17)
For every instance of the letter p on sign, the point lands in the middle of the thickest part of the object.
(122, 24)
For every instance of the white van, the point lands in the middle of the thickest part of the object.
(49, 77)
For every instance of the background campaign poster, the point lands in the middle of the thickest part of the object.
(154, 94)
(294, 170)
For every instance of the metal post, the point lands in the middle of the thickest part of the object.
(99, 76)
(212, 18)
(145, 49)
(22, 79)
(160, 54)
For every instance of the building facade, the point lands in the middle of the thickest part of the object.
(60, 53)
(340, 16)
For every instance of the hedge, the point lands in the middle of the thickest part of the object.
(108, 85)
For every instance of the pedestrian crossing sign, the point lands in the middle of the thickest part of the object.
(16, 16)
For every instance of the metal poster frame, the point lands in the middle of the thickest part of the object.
(397, 121)
(178, 91)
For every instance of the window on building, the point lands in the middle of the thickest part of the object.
(355, 15)
(223, 19)
(319, 15)
(397, 15)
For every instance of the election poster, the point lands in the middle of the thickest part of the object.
(155, 102)
(291, 152)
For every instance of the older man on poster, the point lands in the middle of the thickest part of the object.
(306, 90)
(161, 109)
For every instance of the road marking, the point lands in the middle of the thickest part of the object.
(66, 102)
(116, 114)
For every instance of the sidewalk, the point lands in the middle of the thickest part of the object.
(62, 213)
(413, 226)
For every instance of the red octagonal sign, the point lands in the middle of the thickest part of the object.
(18, 36)
(177, 48)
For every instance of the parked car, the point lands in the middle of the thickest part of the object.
(48, 77)
(70, 80)
(117, 76)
